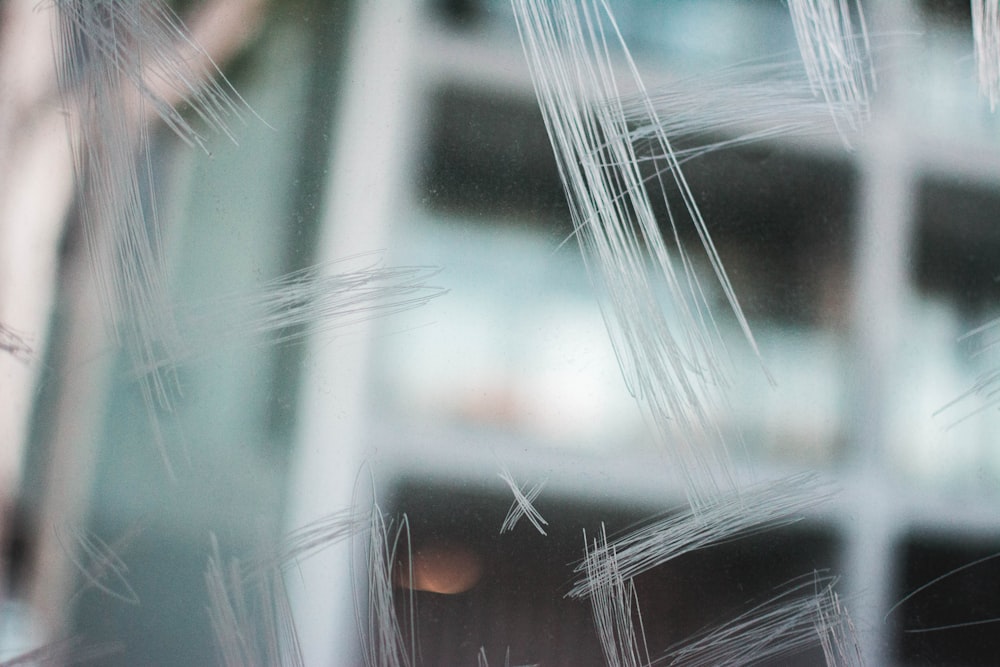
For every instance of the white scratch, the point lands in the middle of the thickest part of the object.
(671, 354)
(615, 607)
(481, 660)
(762, 507)
(986, 35)
(808, 614)
(837, 60)
(936, 580)
(384, 640)
(99, 564)
(309, 540)
(300, 304)
(745, 103)
(986, 385)
(119, 62)
(522, 505)
(251, 617)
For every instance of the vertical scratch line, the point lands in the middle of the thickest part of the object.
(671, 354)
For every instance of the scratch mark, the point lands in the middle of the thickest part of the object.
(384, 639)
(522, 505)
(14, 344)
(118, 62)
(762, 507)
(615, 606)
(291, 307)
(98, 562)
(837, 62)
(672, 355)
(255, 627)
(807, 614)
(986, 35)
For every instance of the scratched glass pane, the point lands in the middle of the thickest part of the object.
(511, 332)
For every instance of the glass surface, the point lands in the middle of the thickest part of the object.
(386, 135)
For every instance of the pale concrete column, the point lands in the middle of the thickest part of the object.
(884, 230)
(369, 171)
